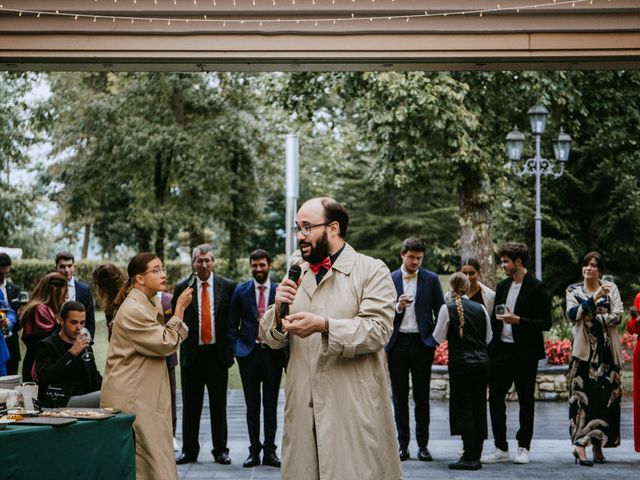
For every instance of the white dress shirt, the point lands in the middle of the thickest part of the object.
(213, 323)
(512, 297)
(266, 292)
(409, 323)
(71, 289)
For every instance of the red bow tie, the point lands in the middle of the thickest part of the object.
(315, 267)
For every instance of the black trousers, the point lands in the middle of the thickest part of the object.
(410, 356)
(506, 369)
(14, 350)
(262, 367)
(469, 402)
(207, 370)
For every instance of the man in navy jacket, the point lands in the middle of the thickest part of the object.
(77, 291)
(259, 364)
(412, 347)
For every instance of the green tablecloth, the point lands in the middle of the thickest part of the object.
(87, 450)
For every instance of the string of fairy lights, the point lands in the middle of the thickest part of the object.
(339, 18)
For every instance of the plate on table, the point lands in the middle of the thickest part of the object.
(79, 413)
(22, 412)
(4, 423)
(52, 422)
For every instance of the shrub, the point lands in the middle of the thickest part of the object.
(558, 351)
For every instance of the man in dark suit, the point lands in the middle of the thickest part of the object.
(258, 363)
(516, 347)
(10, 295)
(77, 291)
(411, 347)
(205, 357)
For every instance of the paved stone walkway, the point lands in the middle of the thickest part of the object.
(550, 454)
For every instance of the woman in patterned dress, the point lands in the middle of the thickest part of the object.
(595, 309)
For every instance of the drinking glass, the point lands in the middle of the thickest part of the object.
(608, 279)
(86, 353)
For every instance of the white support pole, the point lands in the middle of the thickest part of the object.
(292, 174)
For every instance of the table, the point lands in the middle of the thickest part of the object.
(87, 450)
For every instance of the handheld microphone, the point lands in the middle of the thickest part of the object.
(294, 274)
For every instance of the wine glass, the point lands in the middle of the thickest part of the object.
(608, 279)
(86, 353)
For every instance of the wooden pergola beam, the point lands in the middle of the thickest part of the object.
(318, 35)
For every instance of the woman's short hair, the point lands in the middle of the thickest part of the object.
(597, 258)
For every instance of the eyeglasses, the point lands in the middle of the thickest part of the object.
(156, 271)
(306, 229)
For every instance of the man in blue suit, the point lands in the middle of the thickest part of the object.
(412, 347)
(10, 304)
(258, 363)
(8, 318)
(77, 291)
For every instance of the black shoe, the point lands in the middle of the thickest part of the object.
(584, 463)
(251, 461)
(271, 459)
(222, 458)
(424, 455)
(465, 465)
(599, 459)
(404, 454)
(186, 458)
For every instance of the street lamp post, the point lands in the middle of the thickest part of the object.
(537, 165)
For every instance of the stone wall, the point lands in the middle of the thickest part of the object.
(551, 383)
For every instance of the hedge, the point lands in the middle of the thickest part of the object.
(26, 273)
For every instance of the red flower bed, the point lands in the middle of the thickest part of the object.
(441, 357)
(558, 351)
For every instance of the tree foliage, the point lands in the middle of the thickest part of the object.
(142, 156)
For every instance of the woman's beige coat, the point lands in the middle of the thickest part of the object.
(581, 347)
(338, 423)
(136, 380)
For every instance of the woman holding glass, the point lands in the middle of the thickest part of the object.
(595, 309)
(41, 316)
(136, 378)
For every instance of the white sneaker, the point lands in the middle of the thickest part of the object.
(176, 447)
(499, 456)
(522, 456)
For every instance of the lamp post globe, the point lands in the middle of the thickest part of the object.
(538, 119)
(515, 142)
(562, 146)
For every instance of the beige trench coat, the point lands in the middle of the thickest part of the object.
(136, 380)
(338, 423)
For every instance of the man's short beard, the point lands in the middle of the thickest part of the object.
(319, 252)
(260, 277)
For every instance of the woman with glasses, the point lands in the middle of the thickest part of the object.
(41, 316)
(595, 309)
(136, 378)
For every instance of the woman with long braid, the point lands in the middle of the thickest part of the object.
(467, 327)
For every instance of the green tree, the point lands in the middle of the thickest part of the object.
(17, 204)
(142, 156)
